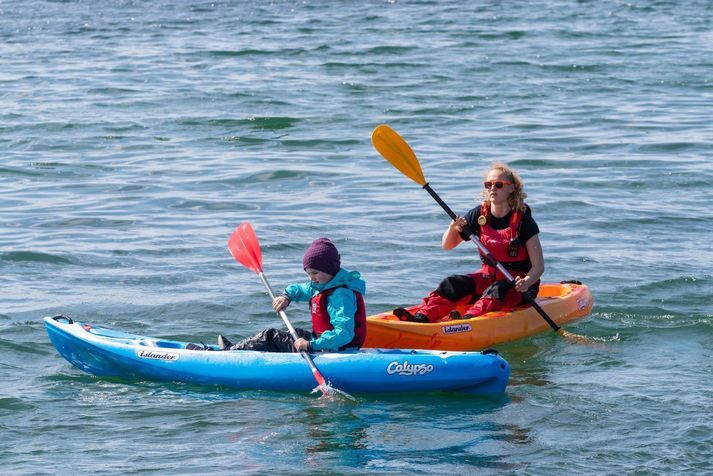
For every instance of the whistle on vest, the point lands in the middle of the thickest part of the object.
(513, 248)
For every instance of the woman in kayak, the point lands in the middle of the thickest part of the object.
(336, 303)
(504, 224)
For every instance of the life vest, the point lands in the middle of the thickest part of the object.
(321, 322)
(504, 245)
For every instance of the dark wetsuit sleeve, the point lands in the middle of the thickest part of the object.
(529, 227)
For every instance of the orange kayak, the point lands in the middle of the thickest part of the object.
(564, 303)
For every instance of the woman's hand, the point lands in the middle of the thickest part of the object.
(458, 224)
(451, 237)
(523, 283)
(280, 303)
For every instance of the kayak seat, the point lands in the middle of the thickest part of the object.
(202, 346)
(404, 315)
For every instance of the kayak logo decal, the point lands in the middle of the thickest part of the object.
(408, 369)
(582, 303)
(150, 354)
(454, 329)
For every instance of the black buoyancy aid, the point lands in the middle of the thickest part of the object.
(321, 322)
(504, 245)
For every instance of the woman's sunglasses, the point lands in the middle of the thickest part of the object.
(499, 184)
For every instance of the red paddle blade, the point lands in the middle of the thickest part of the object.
(245, 248)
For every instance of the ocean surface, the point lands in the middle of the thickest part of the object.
(135, 136)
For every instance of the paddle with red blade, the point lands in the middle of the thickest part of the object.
(399, 154)
(245, 248)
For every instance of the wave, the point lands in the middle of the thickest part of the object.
(629, 320)
(33, 257)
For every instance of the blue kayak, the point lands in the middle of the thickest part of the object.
(109, 353)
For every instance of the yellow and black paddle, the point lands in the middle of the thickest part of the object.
(399, 154)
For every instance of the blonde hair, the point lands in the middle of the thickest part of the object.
(516, 200)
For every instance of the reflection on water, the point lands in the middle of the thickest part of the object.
(336, 429)
(433, 432)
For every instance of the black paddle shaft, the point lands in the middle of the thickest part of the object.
(490, 258)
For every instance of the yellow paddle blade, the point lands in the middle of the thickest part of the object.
(395, 149)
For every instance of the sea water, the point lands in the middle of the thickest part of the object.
(135, 136)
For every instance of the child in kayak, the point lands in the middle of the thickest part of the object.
(504, 224)
(336, 303)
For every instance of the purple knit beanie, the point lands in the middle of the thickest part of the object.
(323, 256)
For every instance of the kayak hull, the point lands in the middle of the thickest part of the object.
(109, 353)
(564, 303)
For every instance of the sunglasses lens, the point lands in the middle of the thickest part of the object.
(489, 184)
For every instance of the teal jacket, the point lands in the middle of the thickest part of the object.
(341, 306)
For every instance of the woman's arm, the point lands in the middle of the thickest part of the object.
(534, 250)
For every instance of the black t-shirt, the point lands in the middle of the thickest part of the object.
(528, 227)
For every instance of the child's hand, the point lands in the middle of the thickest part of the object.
(280, 303)
(301, 345)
